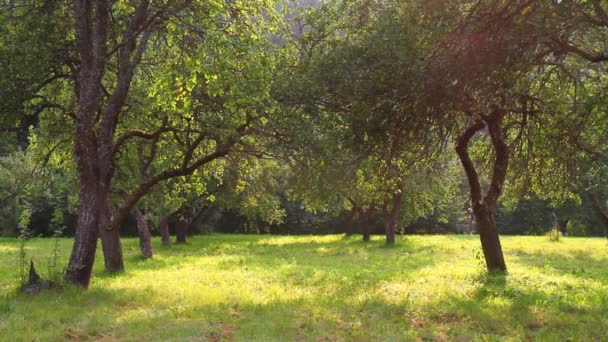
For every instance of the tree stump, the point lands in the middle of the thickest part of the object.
(35, 284)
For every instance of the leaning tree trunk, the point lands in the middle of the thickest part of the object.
(484, 208)
(488, 234)
(82, 258)
(181, 230)
(143, 232)
(164, 230)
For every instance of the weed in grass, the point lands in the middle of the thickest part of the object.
(54, 270)
(5, 304)
(554, 234)
(480, 261)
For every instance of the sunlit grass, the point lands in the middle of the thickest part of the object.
(235, 287)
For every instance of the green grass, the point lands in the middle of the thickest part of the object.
(235, 287)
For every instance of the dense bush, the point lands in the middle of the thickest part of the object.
(573, 228)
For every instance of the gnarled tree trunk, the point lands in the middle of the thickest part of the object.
(145, 242)
(82, 258)
(484, 208)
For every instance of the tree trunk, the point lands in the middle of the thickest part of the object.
(365, 230)
(143, 232)
(364, 216)
(390, 217)
(110, 239)
(484, 208)
(82, 258)
(389, 230)
(488, 234)
(348, 229)
(181, 229)
(164, 230)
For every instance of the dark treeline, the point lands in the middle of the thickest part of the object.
(531, 216)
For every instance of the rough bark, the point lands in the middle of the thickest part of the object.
(145, 242)
(91, 36)
(110, 239)
(484, 208)
(93, 145)
(164, 230)
(82, 258)
(488, 234)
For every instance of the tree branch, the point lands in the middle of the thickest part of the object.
(462, 146)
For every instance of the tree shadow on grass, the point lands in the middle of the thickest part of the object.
(500, 306)
(121, 315)
(579, 265)
(343, 268)
(272, 251)
(497, 309)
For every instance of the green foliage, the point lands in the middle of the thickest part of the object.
(574, 228)
(5, 304)
(22, 262)
(34, 50)
(479, 258)
(30, 185)
(24, 236)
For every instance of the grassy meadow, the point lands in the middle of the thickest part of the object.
(319, 288)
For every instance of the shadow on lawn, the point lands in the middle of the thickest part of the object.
(266, 251)
(324, 318)
(577, 264)
(344, 266)
(499, 307)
